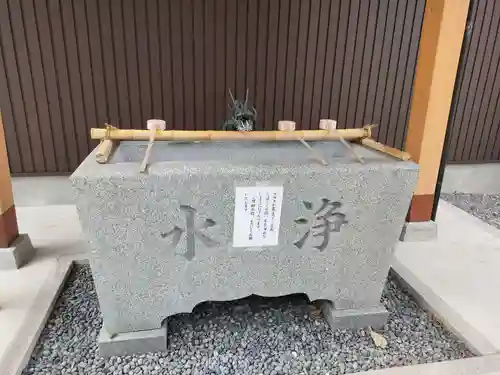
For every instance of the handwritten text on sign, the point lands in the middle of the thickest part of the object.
(257, 213)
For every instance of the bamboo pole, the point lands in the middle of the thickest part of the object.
(104, 150)
(220, 135)
(391, 151)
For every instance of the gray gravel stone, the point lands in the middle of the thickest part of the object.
(484, 206)
(241, 337)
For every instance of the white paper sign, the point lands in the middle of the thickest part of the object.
(257, 212)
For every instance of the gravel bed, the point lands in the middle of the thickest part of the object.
(254, 335)
(484, 206)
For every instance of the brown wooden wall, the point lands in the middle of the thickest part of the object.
(69, 65)
(476, 119)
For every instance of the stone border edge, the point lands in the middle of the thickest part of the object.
(17, 356)
(433, 303)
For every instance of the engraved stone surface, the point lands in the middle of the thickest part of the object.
(163, 241)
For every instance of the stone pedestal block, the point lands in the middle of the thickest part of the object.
(374, 317)
(132, 342)
(221, 221)
(18, 254)
(419, 231)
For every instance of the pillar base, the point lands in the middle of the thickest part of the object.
(374, 317)
(18, 254)
(128, 343)
(419, 231)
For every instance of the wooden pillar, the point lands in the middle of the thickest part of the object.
(8, 219)
(441, 40)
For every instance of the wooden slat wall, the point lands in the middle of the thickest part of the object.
(476, 119)
(69, 65)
